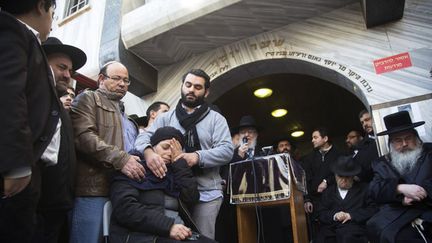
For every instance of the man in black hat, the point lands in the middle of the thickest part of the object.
(402, 185)
(57, 180)
(63, 59)
(344, 207)
(248, 131)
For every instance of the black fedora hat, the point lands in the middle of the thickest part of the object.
(345, 166)
(54, 45)
(398, 122)
(284, 138)
(248, 121)
(140, 120)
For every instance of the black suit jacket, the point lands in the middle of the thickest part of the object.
(392, 215)
(356, 203)
(58, 181)
(367, 152)
(29, 109)
(317, 170)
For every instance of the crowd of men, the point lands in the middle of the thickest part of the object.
(59, 152)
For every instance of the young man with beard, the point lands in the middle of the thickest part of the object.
(208, 146)
(367, 148)
(353, 138)
(344, 207)
(402, 185)
(103, 138)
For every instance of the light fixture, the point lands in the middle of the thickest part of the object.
(297, 134)
(279, 112)
(263, 92)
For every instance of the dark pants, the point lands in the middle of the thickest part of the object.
(346, 233)
(201, 239)
(18, 213)
(408, 234)
(52, 227)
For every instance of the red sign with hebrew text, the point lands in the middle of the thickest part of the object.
(392, 63)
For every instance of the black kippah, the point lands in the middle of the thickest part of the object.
(165, 133)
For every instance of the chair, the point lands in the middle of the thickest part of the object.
(107, 209)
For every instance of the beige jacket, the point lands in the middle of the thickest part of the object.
(97, 124)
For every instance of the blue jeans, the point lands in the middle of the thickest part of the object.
(87, 219)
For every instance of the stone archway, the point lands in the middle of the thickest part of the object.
(242, 73)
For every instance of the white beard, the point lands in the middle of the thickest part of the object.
(404, 162)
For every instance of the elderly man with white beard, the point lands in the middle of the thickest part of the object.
(402, 185)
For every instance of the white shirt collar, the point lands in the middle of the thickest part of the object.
(35, 32)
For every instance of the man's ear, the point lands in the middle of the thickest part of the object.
(100, 80)
(326, 139)
(152, 114)
(207, 92)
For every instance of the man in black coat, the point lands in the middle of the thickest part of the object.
(29, 111)
(58, 180)
(344, 207)
(402, 185)
(317, 167)
(367, 148)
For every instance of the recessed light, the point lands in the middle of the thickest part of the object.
(263, 92)
(297, 134)
(279, 112)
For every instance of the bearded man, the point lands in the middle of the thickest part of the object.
(208, 146)
(344, 207)
(402, 185)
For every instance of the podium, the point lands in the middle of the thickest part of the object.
(268, 181)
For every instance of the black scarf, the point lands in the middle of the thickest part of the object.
(188, 122)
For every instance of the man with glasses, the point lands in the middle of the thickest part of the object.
(103, 138)
(402, 185)
(29, 111)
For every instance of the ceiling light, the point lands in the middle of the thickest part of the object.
(297, 134)
(263, 92)
(279, 112)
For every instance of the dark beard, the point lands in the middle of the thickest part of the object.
(404, 162)
(192, 104)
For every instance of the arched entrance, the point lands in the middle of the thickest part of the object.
(313, 95)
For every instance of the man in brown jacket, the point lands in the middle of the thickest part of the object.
(103, 137)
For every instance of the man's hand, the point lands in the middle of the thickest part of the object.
(191, 158)
(308, 206)
(407, 201)
(13, 186)
(180, 232)
(342, 217)
(243, 149)
(322, 186)
(413, 191)
(133, 169)
(155, 163)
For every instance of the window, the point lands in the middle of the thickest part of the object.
(75, 5)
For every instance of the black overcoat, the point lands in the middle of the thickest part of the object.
(356, 203)
(392, 215)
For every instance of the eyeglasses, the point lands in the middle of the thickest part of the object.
(126, 81)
